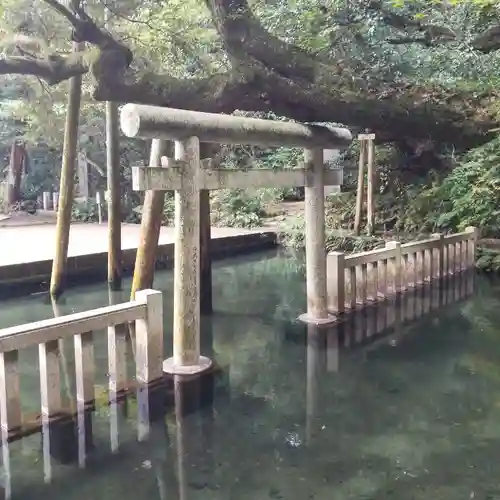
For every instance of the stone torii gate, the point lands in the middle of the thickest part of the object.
(187, 175)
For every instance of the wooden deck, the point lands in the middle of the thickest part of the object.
(26, 252)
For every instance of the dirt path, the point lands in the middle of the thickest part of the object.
(24, 219)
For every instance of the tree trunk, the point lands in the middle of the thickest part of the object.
(67, 182)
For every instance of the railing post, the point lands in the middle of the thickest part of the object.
(317, 307)
(10, 397)
(149, 337)
(186, 359)
(439, 252)
(50, 378)
(471, 246)
(84, 367)
(397, 269)
(335, 266)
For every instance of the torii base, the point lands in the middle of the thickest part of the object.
(203, 365)
(310, 320)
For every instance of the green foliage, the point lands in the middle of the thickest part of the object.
(488, 260)
(86, 211)
(168, 210)
(236, 208)
(291, 234)
(468, 196)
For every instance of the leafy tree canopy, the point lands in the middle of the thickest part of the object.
(413, 71)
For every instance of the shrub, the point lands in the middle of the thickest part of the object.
(87, 211)
(236, 208)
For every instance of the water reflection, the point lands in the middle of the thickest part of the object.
(288, 411)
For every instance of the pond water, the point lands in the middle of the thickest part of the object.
(293, 413)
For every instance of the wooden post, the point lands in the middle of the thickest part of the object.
(206, 303)
(370, 187)
(152, 211)
(317, 310)
(67, 182)
(114, 197)
(114, 191)
(336, 282)
(186, 358)
(360, 189)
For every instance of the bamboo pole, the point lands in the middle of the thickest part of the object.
(113, 197)
(150, 228)
(370, 187)
(67, 182)
(360, 190)
(113, 194)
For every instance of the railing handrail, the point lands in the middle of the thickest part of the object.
(370, 276)
(38, 332)
(457, 237)
(372, 256)
(419, 245)
(146, 312)
(369, 256)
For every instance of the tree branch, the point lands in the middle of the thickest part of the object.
(302, 87)
(221, 93)
(63, 11)
(488, 41)
(271, 75)
(432, 34)
(53, 69)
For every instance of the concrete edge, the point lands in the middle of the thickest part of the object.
(34, 277)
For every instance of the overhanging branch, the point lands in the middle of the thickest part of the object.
(271, 75)
(63, 11)
(53, 69)
(221, 93)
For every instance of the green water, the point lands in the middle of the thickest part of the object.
(296, 415)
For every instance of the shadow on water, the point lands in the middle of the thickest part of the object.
(395, 401)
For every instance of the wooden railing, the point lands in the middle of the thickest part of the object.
(147, 313)
(359, 279)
